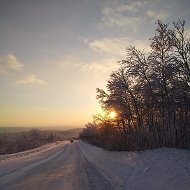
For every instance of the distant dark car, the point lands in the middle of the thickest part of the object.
(71, 140)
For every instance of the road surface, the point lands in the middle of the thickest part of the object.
(64, 167)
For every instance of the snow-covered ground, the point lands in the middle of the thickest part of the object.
(160, 169)
(28, 152)
(80, 166)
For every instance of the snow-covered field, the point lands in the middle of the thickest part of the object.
(80, 166)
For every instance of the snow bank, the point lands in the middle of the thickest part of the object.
(28, 152)
(159, 169)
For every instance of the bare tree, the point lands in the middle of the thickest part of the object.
(150, 93)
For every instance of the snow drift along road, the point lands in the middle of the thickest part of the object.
(81, 166)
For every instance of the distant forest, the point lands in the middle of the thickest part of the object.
(12, 142)
(150, 92)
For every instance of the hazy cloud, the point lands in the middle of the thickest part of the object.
(133, 21)
(83, 39)
(117, 46)
(31, 79)
(122, 15)
(100, 66)
(9, 63)
(131, 7)
(79, 66)
(162, 15)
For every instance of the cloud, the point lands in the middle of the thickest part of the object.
(83, 39)
(9, 63)
(76, 66)
(100, 66)
(123, 21)
(122, 15)
(66, 62)
(31, 79)
(132, 7)
(162, 15)
(117, 46)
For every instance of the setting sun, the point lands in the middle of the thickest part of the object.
(113, 114)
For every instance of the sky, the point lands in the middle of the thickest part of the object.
(54, 54)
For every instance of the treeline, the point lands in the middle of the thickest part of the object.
(21, 141)
(150, 92)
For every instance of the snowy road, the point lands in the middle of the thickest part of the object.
(79, 166)
(63, 167)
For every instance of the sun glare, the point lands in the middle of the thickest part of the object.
(113, 114)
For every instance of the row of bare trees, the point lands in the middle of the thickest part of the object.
(150, 93)
(21, 141)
